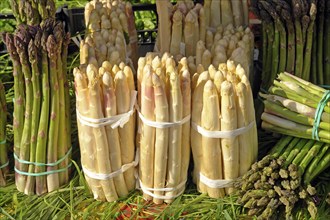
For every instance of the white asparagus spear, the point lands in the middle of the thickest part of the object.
(229, 146)
(161, 142)
(212, 162)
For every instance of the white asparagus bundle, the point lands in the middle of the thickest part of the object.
(223, 133)
(107, 22)
(164, 99)
(226, 43)
(107, 151)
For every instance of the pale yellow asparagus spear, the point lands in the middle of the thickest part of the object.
(216, 13)
(164, 25)
(226, 13)
(196, 138)
(86, 137)
(211, 166)
(101, 143)
(175, 133)
(238, 13)
(110, 109)
(202, 24)
(206, 59)
(186, 105)
(200, 48)
(161, 142)
(196, 29)
(147, 143)
(209, 39)
(189, 34)
(194, 81)
(176, 33)
(229, 146)
(253, 132)
(245, 147)
(207, 8)
(245, 12)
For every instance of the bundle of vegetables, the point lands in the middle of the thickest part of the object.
(105, 107)
(180, 27)
(226, 12)
(32, 12)
(281, 180)
(111, 22)
(298, 108)
(42, 127)
(164, 101)
(3, 149)
(223, 134)
(295, 39)
(184, 31)
(236, 44)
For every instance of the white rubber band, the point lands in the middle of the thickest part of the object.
(221, 134)
(216, 184)
(163, 124)
(147, 190)
(107, 176)
(115, 121)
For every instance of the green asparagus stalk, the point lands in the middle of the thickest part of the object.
(62, 147)
(326, 61)
(53, 132)
(295, 97)
(318, 159)
(290, 64)
(309, 44)
(320, 43)
(3, 147)
(324, 163)
(283, 112)
(34, 61)
(26, 134)
(299, 37)
(19, 94)
(41, 147)
(311, 154)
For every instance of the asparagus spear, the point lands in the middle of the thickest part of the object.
(229, 146)
(164, 24)
(34, 61)
(176, 33)
(162, 141)
(19, 94)
(196, 138)
(3, 147)
(175, 133)
(86, 138)
(42, 138)
(326, 36)
(320, 43)
(53, 132)
(299, 38)
(290, 64)
(101, 142)
(186, 105)
(146, 172)
(26, 133)
(211, 165)
(309, 42)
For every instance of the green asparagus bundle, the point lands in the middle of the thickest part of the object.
(33, 12)
(42, 128)
(223, 134)
(164, 98)
(105, 107)
(3, 147)
(111, 26)
(295, 39)
(298, 108)
(283, 178)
